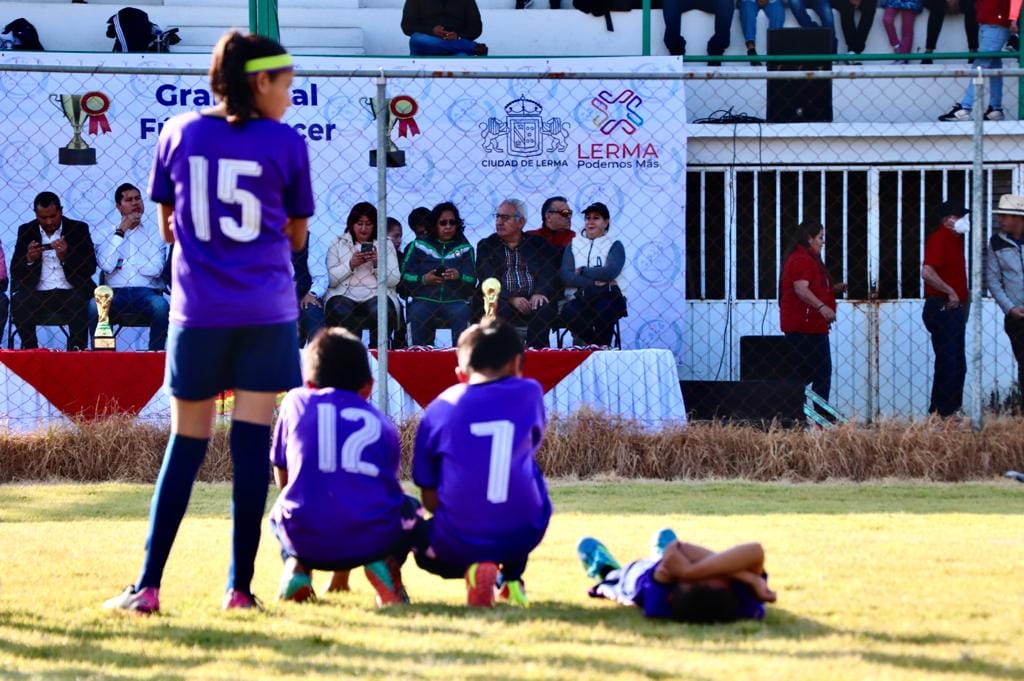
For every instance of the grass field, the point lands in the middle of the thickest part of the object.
(874, 581)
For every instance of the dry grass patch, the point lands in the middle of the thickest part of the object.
(587, 445)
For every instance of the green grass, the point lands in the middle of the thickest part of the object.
(874, 581)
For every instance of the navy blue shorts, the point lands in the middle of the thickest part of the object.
(202, 362)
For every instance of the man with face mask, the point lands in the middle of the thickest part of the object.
(1005, 273)
(944, 271)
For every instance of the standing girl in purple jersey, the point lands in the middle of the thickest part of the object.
(233, 188)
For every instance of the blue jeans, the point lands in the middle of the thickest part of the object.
(822, 8)
(140, 302)
(948, 328)
(425, 317)
(421, 44)
(991, 38)
(311, 320)
(774, 10)
(3, 312)
(673, 11)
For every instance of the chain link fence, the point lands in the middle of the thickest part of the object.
(643, 209)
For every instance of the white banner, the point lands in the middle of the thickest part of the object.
(622, 142)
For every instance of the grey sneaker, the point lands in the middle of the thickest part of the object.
(957, 113)
(994, 114)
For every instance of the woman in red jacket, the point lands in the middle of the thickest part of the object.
(807, 306)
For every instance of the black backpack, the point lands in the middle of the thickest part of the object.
(132, 31)
(603, 8)
(20, 34)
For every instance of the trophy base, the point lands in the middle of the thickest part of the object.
(395, 159)
(104, 343)
(76, 157)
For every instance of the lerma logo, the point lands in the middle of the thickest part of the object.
(523, 131)
(614, 112)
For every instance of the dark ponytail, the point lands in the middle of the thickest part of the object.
(228, 79)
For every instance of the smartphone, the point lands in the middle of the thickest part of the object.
(47, 247)
(366, 248)
(439, 271)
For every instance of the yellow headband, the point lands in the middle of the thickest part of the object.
(274, 63)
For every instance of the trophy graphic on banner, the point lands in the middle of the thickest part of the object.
(104, 336)
(77, 152)
(491, 289)
(402, 110)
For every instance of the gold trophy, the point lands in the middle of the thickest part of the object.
(77, 152)
(104, 336)
(491, 289)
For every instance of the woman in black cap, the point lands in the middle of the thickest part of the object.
(592, 272)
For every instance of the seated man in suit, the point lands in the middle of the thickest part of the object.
(527, 268)
(132, 260)
(51, 273)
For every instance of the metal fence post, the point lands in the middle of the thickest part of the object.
(382, 243)
(977, 234)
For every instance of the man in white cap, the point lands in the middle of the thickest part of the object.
(1005, 272)
(944, 271)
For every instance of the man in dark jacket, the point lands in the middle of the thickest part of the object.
(311, 307)
(441, 27)
(526, 267)
(51, 274)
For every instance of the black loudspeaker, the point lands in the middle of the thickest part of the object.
(744, 400)
(768, 358)
(799, 100)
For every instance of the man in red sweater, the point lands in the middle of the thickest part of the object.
(945, 307)
(993, 32)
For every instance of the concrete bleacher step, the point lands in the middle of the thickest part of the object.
(482, 4)
(82, 27)
(292, 4)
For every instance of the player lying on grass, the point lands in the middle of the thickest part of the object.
(336, 458)
(683, 582)
(474, 462)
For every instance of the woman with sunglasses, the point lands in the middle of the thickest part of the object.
(439, 274)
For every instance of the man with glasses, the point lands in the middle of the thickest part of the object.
(555, 222)
(525, 264)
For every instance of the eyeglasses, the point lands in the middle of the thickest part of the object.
(565, 212)
(445, 223)
(502, 217)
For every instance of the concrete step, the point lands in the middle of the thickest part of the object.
(327, 38)
(482, 4)
(282, 7)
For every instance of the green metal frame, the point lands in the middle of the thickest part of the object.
(263, 18)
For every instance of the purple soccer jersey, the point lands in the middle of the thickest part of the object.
(233, 188)
(343, 500)
(476, 446)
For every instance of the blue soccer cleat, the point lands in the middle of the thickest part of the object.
(596, 558)
(661, 539)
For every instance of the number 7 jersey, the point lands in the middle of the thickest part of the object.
(476, 445)
(233, 189)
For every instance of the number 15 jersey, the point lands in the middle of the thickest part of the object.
(233, 188)
(476, 445)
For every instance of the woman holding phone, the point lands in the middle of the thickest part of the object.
(439, 274)
(352, 259)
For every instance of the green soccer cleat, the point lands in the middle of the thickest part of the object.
(596, 558)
